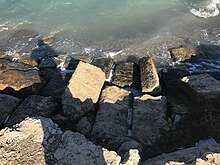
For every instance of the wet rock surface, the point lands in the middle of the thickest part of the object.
(32, 106)
(83, 90)
(182, 54)
(7, 105)
(148, 75)
(123, 74)
(106, 64)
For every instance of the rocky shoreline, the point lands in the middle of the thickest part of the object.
(62, 110)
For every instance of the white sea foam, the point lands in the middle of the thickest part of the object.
(211, 10)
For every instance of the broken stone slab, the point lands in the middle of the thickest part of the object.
(39, 141)
(148, 76)
(34, 105)
(111, 118)
(83, 90)
(202, 88)
(123, 75)
(182, 54)
(106, 64)
(149, 119)
(7, 106)
(18, 77)
(195, 155)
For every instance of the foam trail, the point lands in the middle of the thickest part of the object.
(211, 10)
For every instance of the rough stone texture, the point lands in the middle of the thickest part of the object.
(105, 64)
(18, 76)
(83, 90)
(34, 105)
(201, 88)
(148, 75)
(111, 118)
(39, 141)
(7, 106)
(123, 74)
(149, 115)
(196, 155)
(26, 59)
(84, 126)
(127, 145)
(182, 54)
(132, 158)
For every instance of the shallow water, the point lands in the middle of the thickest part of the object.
(102, 27)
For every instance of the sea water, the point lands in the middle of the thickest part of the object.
(107, 27)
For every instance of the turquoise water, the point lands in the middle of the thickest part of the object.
(105, 25)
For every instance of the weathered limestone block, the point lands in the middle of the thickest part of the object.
(196, 155)
(182, 54)
(123, 74)
(19, 76)
(202, 88)
(83, 90)
(111, 118)
(106, 64)
(149, 77)
(7, 106)
(32, 106)
(39, 141)
(149, 118)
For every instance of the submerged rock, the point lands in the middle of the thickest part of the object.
(195, 155)
(83, 90)
(111, 118)
(7, 106)
(18, 76)
(34, 105)
(149, 119)
(149, 77)
(182, 54)
(39, 141)
(123, 74)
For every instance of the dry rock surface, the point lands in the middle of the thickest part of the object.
(7, 106)
(149, 118)
(111, 118)
(18, 76)
(197, 155)
(83, 90)
(34, 105)
(40, 141)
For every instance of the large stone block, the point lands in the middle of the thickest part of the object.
(83, 90)
(124, 74)
(148, 75)
(202, 88)
(111, 118)
(149, 118)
